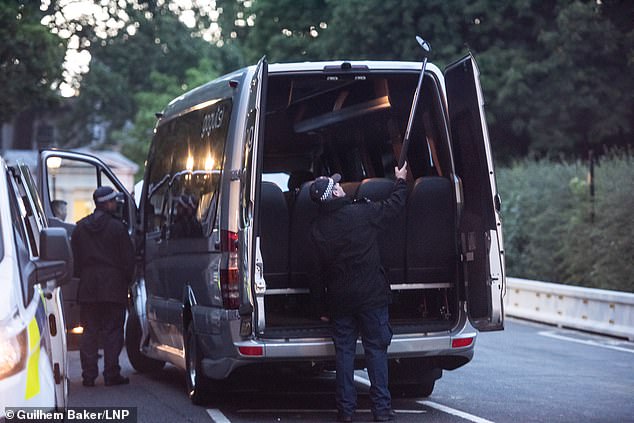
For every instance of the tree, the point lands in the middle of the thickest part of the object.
(155, 42)
(584, 67)
(30, 59)
(135, 138)
(286, 32)
(555, 74)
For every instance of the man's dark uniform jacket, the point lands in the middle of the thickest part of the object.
(104, 258)
(345, 234)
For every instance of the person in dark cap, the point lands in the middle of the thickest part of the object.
(357, 291)
(104, 262)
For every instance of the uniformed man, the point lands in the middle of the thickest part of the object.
(104, 262)
(358, 293)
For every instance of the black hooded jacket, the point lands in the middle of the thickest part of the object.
(345, 234)
(104, 258)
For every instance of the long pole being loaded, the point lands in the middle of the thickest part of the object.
(426, 49)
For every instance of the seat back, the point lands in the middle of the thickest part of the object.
(274, 235)
(430, 231)
(304, 262)
(392, 238)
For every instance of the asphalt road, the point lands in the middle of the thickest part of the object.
(527, 373)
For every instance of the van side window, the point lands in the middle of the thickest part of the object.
(159, 165)
(187, 162)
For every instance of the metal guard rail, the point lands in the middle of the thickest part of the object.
(593, 310)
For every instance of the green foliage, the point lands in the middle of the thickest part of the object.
(30, 59)
(556, 75)
(554, 230)
(135, 137)
(121, 67)
(285, 31)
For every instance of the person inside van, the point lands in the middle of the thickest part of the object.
(60, 209)
(186, 225)
(357, 291)
(60, 212)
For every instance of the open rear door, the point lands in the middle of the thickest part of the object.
(480, 228)
(253, 282)
(66, 181)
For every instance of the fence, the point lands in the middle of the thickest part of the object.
(594, 310)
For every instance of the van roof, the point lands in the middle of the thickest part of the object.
(219, 87)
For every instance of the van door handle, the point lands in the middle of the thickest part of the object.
(497, 200)
(250, 208)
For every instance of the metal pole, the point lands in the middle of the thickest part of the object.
(410, 121)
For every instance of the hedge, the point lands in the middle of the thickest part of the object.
(556, 231)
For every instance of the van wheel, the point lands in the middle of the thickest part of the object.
(411, 378)
(139, 361)
(419, 390)
(197, 383)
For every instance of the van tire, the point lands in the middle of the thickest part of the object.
(139, 361)
(412, 378)
(197, 383)
(418, 390)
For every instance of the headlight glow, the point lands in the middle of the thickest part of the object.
(13, 352)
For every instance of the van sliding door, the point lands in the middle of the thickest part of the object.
(480, 229)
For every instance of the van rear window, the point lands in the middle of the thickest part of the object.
(184, 168)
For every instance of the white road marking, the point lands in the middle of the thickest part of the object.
(432, 404)
(584, 341)
(454, 412)
(217, 416)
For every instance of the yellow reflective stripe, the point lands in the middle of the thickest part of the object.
(43, 298)
(33, 366)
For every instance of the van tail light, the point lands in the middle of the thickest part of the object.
(461, 342)
(229, 278)
(251, 351)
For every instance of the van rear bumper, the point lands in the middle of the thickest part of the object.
(447, 351)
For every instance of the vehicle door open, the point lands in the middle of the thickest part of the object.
(479, 227)
(249, 191)
(68, 179)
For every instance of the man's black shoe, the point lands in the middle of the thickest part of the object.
(89, 383)
(344, 418)
(119, 380)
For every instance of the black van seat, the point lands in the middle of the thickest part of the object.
(304, 263)
(392, 238)
(431, 242)
(295, 182)
(274, 227)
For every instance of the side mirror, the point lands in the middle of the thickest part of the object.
(56, 257)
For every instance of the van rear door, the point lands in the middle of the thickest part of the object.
(249, 191)
(479, 226)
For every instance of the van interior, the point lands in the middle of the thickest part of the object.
(352, 123)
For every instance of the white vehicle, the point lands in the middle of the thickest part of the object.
(34, 261)
(227, 270)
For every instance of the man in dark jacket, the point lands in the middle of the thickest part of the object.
(358, 292)
(104, 261)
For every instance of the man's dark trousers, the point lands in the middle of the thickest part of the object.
(106, 319)
(376, 335)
